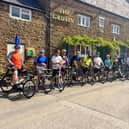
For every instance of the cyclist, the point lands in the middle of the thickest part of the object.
(108, 63)
(57, 63)
(15, 60)
(76, 64)
(86, 63)
(75, 61)
(65, 67)
(116, 63)
(65, 58)
(41, 64)
(98, 64)
(127, 61)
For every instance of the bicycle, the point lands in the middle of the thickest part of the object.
(58, 80)
(66, 76)
(109, 74)
(99, 74)
(76, 75)
(45, 80)
(26, 86)
(118, 73)
(88, 75)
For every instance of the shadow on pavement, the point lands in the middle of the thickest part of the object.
(12, 96)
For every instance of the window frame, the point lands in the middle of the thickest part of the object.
(101, 23)
(20, 13)
(115, 29)
(85, 21)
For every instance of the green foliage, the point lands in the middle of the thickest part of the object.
(95, 42)
(68, 40)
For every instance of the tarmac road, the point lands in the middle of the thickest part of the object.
(102, 106)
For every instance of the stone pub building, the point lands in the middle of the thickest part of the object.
(44, 23)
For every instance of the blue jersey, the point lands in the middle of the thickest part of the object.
(40, 59)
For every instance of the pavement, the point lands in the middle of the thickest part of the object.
(101, 106)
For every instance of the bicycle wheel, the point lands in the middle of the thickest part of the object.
(127, 75)
(47, 85)
(5, 84)
(60, 84)
(110, 76)
(122, 77)
(29, 89)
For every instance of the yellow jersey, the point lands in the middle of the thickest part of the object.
(86, 62)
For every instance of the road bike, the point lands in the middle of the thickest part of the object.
(26, 86)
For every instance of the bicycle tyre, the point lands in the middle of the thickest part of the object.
(47, 86)
(29, 89)
(122, 78)
(5, 84)
(60, 85)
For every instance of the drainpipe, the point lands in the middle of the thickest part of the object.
(48, 32)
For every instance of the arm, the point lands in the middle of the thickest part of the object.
(102, 63)
(9, 58)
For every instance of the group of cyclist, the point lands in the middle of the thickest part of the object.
(59, 60)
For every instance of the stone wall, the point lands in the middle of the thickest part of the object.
(61, 29)
(32, 33)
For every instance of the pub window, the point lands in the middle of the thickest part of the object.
(101, 24)
(20, 13)
(83, 20)
(115, 29)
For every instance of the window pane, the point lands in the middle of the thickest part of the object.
(25, 14)
(83, 20)
(79, 20)
(115, 29)
(101, 22)
(25, 11)
(15, 12)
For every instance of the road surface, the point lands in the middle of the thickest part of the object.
(102, 106)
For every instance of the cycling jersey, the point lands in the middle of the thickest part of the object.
(75, 58)
(86, 62)
(98, 62)
(40, 62)
(127, 61)
(15, 58)
(55, 62)
(66, 61)
(40, 59)
(107, 63)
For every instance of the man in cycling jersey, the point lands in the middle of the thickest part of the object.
(116, 63)
(41, 64)
(15, 60)
(75, 61)
(108, 63)
(86, 63)
(76, 65)
(57, 62)
(65, 58)
(98, 63)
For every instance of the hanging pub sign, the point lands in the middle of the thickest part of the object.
(63, 15)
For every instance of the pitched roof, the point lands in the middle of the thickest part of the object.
(119, 7)
(32, 4)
